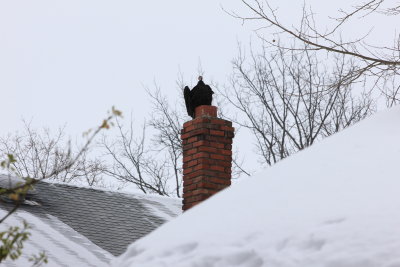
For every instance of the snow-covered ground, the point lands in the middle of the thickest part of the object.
(335, 204)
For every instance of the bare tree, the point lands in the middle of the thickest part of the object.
(39, 152)
(376, 63)
(133, 162)
(168, 122)
(286, 100)
(17, 188)
(152, 160)
(390, 88)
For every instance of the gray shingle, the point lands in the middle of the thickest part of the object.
(110, 220)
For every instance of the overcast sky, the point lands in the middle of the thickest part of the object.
(68, 62)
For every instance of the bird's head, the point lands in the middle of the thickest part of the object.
(200, 78)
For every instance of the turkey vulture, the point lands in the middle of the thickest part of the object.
(201, 94)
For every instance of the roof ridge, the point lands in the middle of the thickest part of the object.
(108, 190)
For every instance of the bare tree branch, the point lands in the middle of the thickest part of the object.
(287, 100)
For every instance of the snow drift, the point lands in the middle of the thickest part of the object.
(335, 204)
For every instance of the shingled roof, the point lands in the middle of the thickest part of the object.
(110, 220)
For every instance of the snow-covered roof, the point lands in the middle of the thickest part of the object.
(7, 181)
(335, 204)
(63, 245)
(108, 221)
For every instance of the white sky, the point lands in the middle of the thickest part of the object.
(68, 62)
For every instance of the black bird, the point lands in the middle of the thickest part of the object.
(201, 94)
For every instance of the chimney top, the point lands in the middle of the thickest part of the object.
(205, 111)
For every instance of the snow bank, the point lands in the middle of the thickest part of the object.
(336, 204)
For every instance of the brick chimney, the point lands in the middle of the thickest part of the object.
(207, 155)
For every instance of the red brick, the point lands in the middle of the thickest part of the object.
(187, 147)
(209, 185)
(206, 174)
(200, 131)
(190, 152)
(190, 199)
(187, 182)
(220, 181)
(230, 134)
(187, 158)
(194, 176)
(221, 121)
(187, 124)
(201, 120)
(223, 163)
(194, 133)
(190, 128)
(217, 156)
(201, 137)
(187, 171)
(190, 176)
(224, 175)
(219, 139)
(195, 198)
(217, 132)
(207, 149)
(187, 195)
(227, 128)
(189, 164)
(189, 187)
(201, 167)
(185, 207)
(217, 145)
(201, 155)
(225, 152)
(217, 168)
(201, 143)
(207, 125)
(205, 111)
(196, 179)
(192, 163)
(202, 191)
(213, 126)
(192, 140)
(203, 173)
(206, 161)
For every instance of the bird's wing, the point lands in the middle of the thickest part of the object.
(209, 88)
(188, 101)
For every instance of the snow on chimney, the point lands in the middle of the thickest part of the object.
(207, 155)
